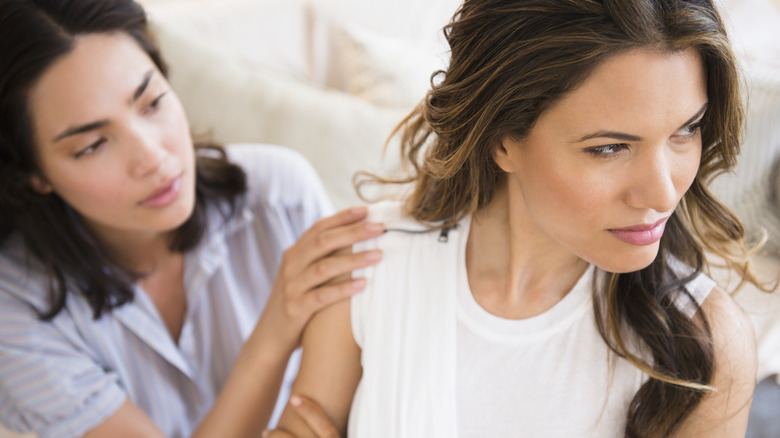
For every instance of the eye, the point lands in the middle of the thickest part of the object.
(606, 151)
(89, 149)
(689, 131)
(153, 105)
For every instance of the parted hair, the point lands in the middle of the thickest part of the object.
(33, 35)
(513, 59)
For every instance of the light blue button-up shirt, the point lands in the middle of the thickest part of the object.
(63, 377)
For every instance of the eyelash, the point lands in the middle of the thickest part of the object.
(153, 105)
(89, 149)
(612, 149)
(693, 129)
(606, 150)
(156, 102)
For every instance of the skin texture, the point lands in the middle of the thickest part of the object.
(138, 143)
(562, 196)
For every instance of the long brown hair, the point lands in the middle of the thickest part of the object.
(511, 60)
(34, 34)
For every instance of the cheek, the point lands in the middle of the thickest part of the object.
(91, 193)
(687, 171)
(572, 195)
(97, 184)
(178, 129)
(560, 206)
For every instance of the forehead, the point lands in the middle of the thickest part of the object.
(102, 70)
(638, 89)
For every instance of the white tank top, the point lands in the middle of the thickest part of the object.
(551, 375)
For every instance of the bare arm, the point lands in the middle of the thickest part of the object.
(330, 370)
(313, 275)
(724, 413)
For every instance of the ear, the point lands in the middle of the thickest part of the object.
(40, 185)
(504, 153)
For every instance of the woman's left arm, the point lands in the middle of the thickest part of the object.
(724, 412)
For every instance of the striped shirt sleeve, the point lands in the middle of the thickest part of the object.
(47, 385)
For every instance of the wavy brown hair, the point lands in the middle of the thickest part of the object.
(33, 35)
(511, 60)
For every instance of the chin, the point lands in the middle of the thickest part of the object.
(622, 262)
(181, 212)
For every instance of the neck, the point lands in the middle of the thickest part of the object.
(514, 269)
(142, 252)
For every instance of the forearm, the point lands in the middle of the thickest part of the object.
(241, 410)
(247, 400)
(330, 370)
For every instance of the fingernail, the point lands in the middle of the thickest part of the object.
(295, 400)
(373, 255)
(358, 283)
(374, 227)
(357, 211)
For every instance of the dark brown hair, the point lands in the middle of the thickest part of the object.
(511, 60)
(34, 34)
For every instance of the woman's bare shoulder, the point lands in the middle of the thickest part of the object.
(724, 411)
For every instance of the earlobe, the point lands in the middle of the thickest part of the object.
(40, 185)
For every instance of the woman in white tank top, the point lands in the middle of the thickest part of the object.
(545, 276)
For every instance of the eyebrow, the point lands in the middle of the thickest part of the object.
(629, 137)
(80, 129)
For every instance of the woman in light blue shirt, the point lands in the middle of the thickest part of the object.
(147, 287)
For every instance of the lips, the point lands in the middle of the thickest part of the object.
(164, 195)
(641, 235)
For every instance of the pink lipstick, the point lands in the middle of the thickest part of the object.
(164, 195)
(641, 235)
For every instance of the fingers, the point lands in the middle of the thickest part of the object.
(324, 296)
(335, 268)
(317, 420)
(314, 417)
(276, 433)
(343, 217)
(328, 235)
(330, 240)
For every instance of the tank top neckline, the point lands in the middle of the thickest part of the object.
(561, 315)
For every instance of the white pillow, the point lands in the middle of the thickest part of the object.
(235, 100)
(385, 70)
(402, 25)
(271, 33)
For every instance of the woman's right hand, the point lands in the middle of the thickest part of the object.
(316, 272)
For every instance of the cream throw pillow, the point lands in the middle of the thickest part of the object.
(385, 70)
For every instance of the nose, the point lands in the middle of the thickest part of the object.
(145, 150)
(653, 182)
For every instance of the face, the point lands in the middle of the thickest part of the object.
(112, 139)
(603, 169)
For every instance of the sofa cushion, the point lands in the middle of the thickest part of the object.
(232, 99)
